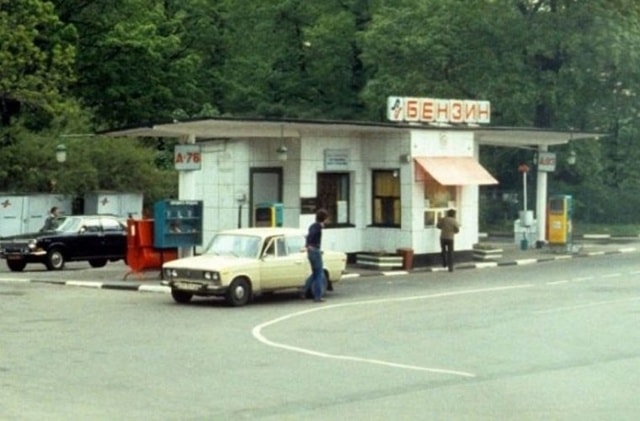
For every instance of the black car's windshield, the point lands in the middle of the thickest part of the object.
(68, 224)
(235, 245)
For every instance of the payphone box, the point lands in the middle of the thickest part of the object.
(559, 227)
(268, 214)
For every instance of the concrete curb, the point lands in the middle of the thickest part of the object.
(155, 288)
(492, 264)
(120, 286)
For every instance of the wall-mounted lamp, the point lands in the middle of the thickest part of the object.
(282, 149)
(61, 153)
(282, 152)
(405, 158)
(571, 159)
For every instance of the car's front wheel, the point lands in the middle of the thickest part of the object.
(16, 265)
(239, 292)
(97, 263)
(55, 259)
(181, 296)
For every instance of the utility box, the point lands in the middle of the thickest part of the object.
(124, 205)
(560, 213)
(268, 214)
(21, 214)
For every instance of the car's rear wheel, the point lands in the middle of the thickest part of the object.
(55, 259)
(181, 296)
(16, 265)
(326, 286)
(239, 292)
(97, 263)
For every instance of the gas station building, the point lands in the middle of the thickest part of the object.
(384, 184)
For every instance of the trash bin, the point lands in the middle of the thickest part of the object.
(407, 257)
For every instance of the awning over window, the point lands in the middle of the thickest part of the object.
(455, 170)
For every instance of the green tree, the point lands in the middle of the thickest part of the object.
(93, 163)
(37, 55)
(294, 58)
(132, 63)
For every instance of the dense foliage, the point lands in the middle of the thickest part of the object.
(74, 67)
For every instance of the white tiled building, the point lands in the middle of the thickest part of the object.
(384, 184)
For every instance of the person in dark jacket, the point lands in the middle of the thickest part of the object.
(51, 222)
(449, 227)
(313, 245)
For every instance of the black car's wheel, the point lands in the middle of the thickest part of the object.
(181, 296)
(16, 265)
(97, 263)
(55, 259)
(239, 292)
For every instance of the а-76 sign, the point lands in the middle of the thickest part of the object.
(187, 157)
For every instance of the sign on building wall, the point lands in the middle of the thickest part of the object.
(187, 157)
(435, 110)
(336, 159)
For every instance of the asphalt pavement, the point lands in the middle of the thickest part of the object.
(118, 276)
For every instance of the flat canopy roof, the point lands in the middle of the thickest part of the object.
(216, 128)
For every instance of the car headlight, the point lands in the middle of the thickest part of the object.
(170, 273)
(211, 276)
(32, 244)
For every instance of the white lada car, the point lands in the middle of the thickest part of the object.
(241, 263)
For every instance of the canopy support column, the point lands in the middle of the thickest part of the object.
(541, 200)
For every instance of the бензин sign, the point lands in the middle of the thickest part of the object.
(434, 110)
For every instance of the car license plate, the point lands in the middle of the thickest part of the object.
(188, 286)
(14, 256)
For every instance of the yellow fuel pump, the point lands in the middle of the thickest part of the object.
(559, 229)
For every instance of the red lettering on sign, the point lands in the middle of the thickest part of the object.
(456, 111)
(442, 111)
(427, 110)
(412, 110)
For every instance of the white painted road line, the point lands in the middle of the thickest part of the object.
(558, 282)
(15, 280)
(257, 330)
(588, 305)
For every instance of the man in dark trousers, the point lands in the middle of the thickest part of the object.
(315, 281)
(449, 227)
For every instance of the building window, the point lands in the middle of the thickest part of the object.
(386, 198)
(437, 199)
(333, 195)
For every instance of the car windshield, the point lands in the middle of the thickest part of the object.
(234, 245)
(68, 224)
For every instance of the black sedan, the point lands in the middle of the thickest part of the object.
(93, 238)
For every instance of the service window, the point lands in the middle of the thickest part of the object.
(386, 198)
(437, 199)
(333, 195)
